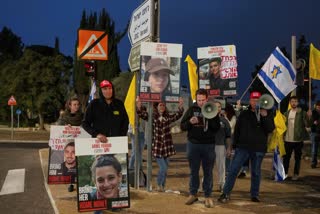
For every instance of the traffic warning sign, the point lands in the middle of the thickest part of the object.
(93, 45)
(12, 101)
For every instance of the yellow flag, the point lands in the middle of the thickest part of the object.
(314, 63)
(277, 134)
(130, 102)
(193, 77)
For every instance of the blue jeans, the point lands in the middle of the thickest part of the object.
(240, 157)
(141, 147)
(201, 154)
(314, 148)
(163, 164)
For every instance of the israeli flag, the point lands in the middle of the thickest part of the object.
(278, 168)
(92, 92)
(278, 75)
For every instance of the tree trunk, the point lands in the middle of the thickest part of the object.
(41, 121)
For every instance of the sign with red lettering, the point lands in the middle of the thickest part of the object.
(107, 185)
(160, 72)
(218, 70)
(62, 159)
(12, 101)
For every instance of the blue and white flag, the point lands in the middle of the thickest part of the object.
(92, 92)
(278, 168)
(278, 75)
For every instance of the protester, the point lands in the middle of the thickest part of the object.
(107, 176)
(232, 118)
(315, 134)
(68, 167)
(106, 116)
(162, 144)
(297, 120)
(72, 116)
(157, 74)
(200, 147)
(250, 141)
(222, 145)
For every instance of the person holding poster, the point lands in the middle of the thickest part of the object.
(106, 116)
(72, 116)
(162, 144)
(107, 176)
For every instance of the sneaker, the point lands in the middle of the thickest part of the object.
(255, 199)
(295, 177)
(191, 199)
(208, 203)
(224, 198)
(242, 175)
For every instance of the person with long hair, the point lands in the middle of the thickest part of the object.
(162, 144)
(73, 115)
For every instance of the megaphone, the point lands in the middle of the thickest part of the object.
(266, 101)
(209, 110)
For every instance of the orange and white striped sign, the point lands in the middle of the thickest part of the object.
(93, 45)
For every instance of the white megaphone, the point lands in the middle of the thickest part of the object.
(266, 101)
(209, 110)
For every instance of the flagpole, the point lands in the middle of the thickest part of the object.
(248, 87)
(310, 93)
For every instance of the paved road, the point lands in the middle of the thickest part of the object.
(34, 198)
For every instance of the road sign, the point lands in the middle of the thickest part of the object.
(93, 45)
(12, 101)
(18, 111)
(141, 22)
(134, 56)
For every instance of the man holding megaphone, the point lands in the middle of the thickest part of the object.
(250, 141)
(202, 122)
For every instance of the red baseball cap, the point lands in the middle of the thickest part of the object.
(255, 95)
(105, 83)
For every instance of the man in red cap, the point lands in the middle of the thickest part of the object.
(250, 141)
(106, 116)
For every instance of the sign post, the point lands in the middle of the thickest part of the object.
(18, 112)
(12, 102)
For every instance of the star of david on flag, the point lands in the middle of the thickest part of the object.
(278, 75)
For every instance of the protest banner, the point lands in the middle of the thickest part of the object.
(218, 70)
(102, 174)
(160, 72)
(62, 160)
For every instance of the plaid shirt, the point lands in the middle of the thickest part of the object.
(162, 145)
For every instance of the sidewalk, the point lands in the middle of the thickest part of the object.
(300, 196)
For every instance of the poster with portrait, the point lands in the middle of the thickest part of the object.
(218, 70)
(160, 72)
(102, 174)
(62, 159)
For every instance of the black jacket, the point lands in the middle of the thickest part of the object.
(196, 132)
(108, 119)
(251, 135)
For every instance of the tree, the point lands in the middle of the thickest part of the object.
(40, 82)
(10, 45)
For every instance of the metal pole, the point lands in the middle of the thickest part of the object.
(11, 122)
(293, 58)
(149, 144)
(18, 120)
(136, 140)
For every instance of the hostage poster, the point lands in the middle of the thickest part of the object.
(102, 174)
(160, 72)
(62, 159)
(218, 70)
